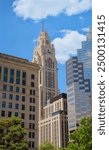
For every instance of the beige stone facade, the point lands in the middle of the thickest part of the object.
(19, 94)
(52, 116)
(54, 126)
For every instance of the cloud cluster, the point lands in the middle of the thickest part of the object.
(39, 9)
(67, 45)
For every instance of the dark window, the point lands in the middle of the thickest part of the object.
(16, 106)
(23, 98)
(4, 96)
(24, 78)
(10, 105)
(17, 89)
(16, 114)
(5, 77)
(33, 100)
(24, 75)
(9, 114)
(33, 92)
(23, 124)
(23, 90)
(22, 115)
(30, 99)
(17, 97)
(23, 107)
(30, 92)
(3, 113)
(11, 75)
(3, 104)
(17, 77)
(31, 126)
(10, 96)
(32, 117)
(32, 76)
(33, 144)
(11, 88)
(31, 135)
(4, 87)
(32, 84)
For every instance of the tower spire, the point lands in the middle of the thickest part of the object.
(43, 26)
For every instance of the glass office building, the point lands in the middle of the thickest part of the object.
(78, 80)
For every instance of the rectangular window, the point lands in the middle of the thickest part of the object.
(16, 106)
(11, 75)
(23, 90)
(10, 96)
(10, 105)
(16, 114)
(17, 77)
(4, 87)
(11, 88)
(4, 96)
(17, 89)
(17, 97)
(23, 107)
(3, 104)
(32, 84)
(31, 125)
(5, 77)
(9, 114)
(22, 124)
(32, 76)
(22, 115)
(3, 113)
(24, 78)
(33, 92)
(30, 92)
(23, 98)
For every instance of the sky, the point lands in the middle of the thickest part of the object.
(66, 21)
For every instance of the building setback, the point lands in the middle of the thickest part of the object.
(54, 126)
(19, 94)
(50, 117)
(78, 81)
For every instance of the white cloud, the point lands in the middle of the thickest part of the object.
(67, 45)
(85, 29)
(39, 9)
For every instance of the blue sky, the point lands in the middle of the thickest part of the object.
(66, 22)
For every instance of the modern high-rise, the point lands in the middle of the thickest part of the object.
(19, 94)
(52, 106)
(78, 81)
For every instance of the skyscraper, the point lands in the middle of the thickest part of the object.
(53, 122)
(78, 80)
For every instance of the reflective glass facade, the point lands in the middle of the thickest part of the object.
(78, 80)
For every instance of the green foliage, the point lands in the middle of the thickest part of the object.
(12, 134)
(81, 139)
(47, 146)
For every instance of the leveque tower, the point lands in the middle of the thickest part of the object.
(52, 122)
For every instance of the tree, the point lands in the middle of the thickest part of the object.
(47, 146)
(81, 139)
(12, 134)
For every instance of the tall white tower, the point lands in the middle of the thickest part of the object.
(44, 55)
